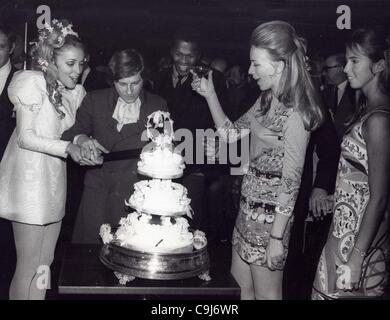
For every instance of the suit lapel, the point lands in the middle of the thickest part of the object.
(5, 104)
(111, 104)
(4, 94)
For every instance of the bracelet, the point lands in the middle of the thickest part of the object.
(276, 238)
(361, 252)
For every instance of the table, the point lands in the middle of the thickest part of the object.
(82, 273)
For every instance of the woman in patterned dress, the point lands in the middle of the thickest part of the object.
(33, 171)
(279, 123)
(354, 260)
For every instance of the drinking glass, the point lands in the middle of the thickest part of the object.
(201, 71)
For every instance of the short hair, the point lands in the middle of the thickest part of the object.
(339, 57)
(126, 63)
(188, 34)
(9, 33)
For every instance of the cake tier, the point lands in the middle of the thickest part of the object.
(160, 197)
(161, 163)
(137, 232)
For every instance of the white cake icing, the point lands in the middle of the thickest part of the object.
(161, 197)
(136, 232)
(161, 163)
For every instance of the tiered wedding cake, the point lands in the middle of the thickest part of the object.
(160, 161)
(158, 225)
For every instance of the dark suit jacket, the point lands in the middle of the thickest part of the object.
(325, 142)
(94, 118)
(344, 110)
(7, 123)
(189, 110)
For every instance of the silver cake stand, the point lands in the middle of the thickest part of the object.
(156, 266)
(129, 263)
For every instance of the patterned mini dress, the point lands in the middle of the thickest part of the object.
(351, 199)
(278, 142)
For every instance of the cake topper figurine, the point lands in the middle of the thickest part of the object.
(156, 120)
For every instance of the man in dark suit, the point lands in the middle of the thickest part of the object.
(112, 120)
(312, 215)
(312, 212)
(338, 96)
(190, 111)
(7, 121)
(7, 126)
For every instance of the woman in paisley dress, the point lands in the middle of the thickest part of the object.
(354, 260)
(279, 123)
(32, 171)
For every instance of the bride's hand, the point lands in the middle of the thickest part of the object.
(203, 86)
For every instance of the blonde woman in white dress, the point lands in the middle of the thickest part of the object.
(33, 170)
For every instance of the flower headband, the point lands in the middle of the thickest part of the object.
(59, 28)
(43, 63)
(57, 31)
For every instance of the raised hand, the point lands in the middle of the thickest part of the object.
(203, 86)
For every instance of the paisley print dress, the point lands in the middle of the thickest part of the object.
(351, 198)
(278, 142)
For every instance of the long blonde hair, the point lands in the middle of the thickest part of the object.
(52, 41)
(296, 88)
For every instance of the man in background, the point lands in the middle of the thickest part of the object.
(7, 126)
(338, 96)
(7, 120)
(190, 111)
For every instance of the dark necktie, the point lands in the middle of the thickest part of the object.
(179, 81)
(335, 98)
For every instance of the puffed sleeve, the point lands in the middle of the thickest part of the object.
(233, 131)
(295, 142)
(27, 92)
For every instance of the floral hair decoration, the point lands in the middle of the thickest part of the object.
(43, 63)
(56, 32)
(52, 36)
(59, 28)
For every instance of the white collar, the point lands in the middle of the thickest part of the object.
(6, 69)
(4, 73)
(175, 75)
(125, 113)
(123, 102)
(342, 85)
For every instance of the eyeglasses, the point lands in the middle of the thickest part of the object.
(326, 68)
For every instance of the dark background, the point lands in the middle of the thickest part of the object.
(148, 25)
(108, 25)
